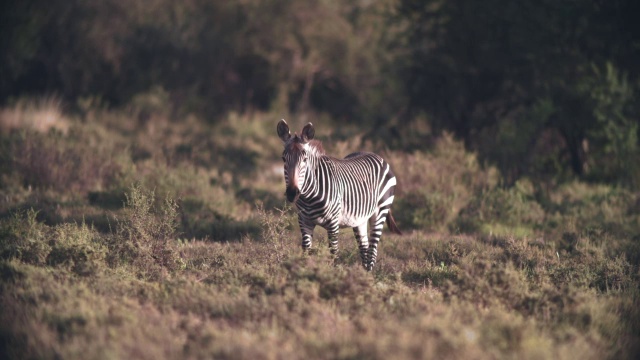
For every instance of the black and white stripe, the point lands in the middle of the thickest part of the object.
(332, 192)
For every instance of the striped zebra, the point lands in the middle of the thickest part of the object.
(334, 192)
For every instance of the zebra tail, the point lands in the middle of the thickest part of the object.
(391, 222)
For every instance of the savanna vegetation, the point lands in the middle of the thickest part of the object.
(142, 212)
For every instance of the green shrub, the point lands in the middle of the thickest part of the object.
(276, 222)
(614, 141)
(276, 226)
(144, 236)
(424, 210)
(513, 208)
(594, 208)
(433, 187)
(24, 238)
(77, 248)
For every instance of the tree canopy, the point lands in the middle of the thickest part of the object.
(540, 88)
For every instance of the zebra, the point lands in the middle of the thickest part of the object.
(336, 193)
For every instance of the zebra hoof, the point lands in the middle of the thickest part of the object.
(368, 267)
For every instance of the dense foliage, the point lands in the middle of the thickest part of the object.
(539, 88)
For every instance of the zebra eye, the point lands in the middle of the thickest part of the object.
(304, 161)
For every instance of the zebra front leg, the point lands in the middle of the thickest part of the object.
(307, 234)
(332, 234)
(363, 242)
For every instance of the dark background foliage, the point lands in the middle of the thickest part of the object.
(543, 89)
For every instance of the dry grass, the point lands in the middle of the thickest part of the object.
(40, 115)
(200, 259)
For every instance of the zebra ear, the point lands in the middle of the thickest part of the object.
(283, 130)
(308, 132)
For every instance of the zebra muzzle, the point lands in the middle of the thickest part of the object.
(292, 194)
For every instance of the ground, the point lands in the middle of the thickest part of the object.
(172, 239)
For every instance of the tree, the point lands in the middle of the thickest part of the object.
(477, 66)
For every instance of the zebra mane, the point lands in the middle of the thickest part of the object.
(315, 147)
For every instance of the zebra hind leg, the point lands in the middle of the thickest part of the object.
(363, 242)
(376, 233)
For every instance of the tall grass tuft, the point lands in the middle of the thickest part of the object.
(41, 115)
(275, 225)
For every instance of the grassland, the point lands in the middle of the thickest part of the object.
(124, 234)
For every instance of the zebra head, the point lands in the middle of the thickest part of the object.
(295, 156)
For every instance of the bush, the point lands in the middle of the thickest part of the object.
(77, 248)
(73, 247)
(144, 235)
(24, 238)
(502, 210)
(429, 211)
(601, 208)
(75, 162)
(275, 227)
(433, 187)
